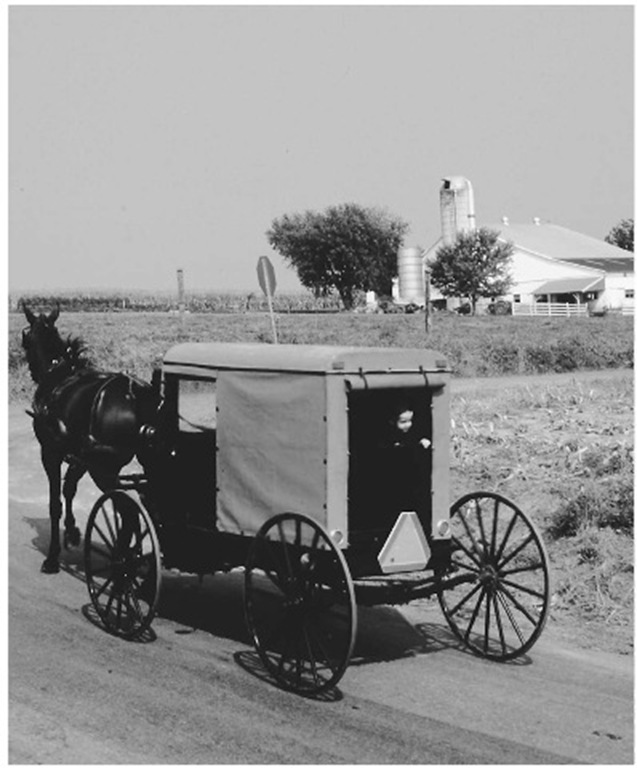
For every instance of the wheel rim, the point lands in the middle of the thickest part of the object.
(300, 604)
(123, 566)
(500, 598)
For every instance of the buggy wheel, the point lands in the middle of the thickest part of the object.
(300, 604)
(496, 595)
(123, 564)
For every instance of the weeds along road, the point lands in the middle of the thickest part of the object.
(196, 695)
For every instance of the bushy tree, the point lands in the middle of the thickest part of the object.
(622, 235)
(475, 265)
(345, 248)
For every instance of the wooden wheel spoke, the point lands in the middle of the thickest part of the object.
(120, 601)
(467, 528)
(109, 544)
(522, 545)
(315, 540)
(521, 608)
(511, 618)
(312, 660)
(286, 553)
(109, 604)
(464, 600)
(494, 527)
(521, 569)
(483, 536)
(324, 655)
(498, 619)
(487, 622)
(522, 588)
(98, 593)
(285, 655)
(470, 553)
(505, 539)
(474, 615)
(111, 523)
(467, 567)
(135, 602)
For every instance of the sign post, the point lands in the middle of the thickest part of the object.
(181, 303)
(267, 281)
(427, 302)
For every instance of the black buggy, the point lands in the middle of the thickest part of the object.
(276, 459)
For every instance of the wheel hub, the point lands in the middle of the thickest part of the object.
(489, 575)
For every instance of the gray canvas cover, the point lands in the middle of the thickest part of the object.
(271, 438)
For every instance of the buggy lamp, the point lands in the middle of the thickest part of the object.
(337, 536)
(443, 528)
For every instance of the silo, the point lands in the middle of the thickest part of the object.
(411, 284)
(456, 208)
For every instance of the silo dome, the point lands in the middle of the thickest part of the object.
(456, 208)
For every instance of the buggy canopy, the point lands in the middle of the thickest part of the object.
(282, 422)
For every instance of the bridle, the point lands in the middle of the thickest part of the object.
(36, 360)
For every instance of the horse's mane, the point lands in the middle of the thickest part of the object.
(75, 353)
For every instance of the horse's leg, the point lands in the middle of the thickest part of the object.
(52, 462)
(73, 475)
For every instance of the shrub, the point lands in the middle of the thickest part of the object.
(498, 357)
(601, 503)
(595, 576)
(500, 307)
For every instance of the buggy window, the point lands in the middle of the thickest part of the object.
(197, 405)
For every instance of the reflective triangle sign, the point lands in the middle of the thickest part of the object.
(406, 548)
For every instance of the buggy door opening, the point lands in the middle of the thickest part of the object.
(189, 477)
(390, 436)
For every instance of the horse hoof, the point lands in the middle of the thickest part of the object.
(49, 567)
(72, 538)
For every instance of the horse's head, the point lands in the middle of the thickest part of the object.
(42, 343)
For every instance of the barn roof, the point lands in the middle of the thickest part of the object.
(553, 241)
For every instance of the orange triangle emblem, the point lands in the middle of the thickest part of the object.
(406, 548)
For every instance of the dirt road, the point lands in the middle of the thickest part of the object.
(196, 694)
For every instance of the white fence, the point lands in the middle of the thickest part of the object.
(550, 309)
(547, 309)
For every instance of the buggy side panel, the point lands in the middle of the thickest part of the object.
(272, 445)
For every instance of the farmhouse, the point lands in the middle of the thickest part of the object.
(552, 267)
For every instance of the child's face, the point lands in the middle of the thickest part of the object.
(405, 421)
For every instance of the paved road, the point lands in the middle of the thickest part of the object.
(196, 694)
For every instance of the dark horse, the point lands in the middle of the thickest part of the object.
(92, 420)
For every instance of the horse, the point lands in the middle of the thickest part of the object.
(91, 420)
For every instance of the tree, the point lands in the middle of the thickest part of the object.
(621, 235)
(475, 265)
(345, 248)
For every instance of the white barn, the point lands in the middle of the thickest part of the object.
(550, 264)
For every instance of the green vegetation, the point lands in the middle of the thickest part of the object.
(476, 265)
(473, 346)
(622, 235)
(344, 249)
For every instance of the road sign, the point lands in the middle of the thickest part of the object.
(267, 281)
(265, 273)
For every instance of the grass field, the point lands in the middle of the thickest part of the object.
(474, 346)
(562, 450)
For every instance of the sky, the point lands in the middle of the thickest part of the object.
(147, 139)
